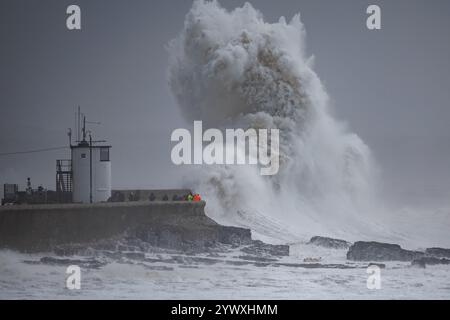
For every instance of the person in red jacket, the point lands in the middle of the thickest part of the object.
(197, 198)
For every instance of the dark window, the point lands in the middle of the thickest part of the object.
(104, 154)
(83, 156)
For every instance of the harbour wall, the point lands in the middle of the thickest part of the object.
(169, 224)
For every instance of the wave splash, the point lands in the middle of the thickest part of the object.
(231, 69)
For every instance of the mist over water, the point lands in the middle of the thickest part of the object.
(231, 69)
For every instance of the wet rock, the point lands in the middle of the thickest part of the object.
(91, 263)
(316, 265)
(177, 259)
(69, 250)
(438, 252)
(329, 243)
(134, 255)
(215, 255)
(122, 247)
(114, 255)
(379, 265)
(312, 260)
(257, 259)
(192, 238)
(207, 261)
(106, 244)
(156, 260)
(418, 263)
(377, 251)
(260, 248)
(188, 267)
(156, 268)
(424, 261)
(261, 264)
(234, 235)
(237, 263)
(31, 262)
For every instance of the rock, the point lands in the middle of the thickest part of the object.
(377, 251)
(312, 260)
(379, 265)
(257, 259)
(69, 250)
(424, 261)
(315, 265)
(91, 263)
(233, 235)
(419, 263)
(329, 242)
(134, 255)
(261, 264)
(237, 263)
(260, 248)
(207, 261)
(156, 268)
(438, 252)
(191, 237)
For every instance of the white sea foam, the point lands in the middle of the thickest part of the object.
(232, 69)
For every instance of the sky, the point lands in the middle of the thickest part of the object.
(390, 86)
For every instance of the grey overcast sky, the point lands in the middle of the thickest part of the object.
(391, 86)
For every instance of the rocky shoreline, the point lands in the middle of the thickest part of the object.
(132, 230)
(372, 251)
(232, 250)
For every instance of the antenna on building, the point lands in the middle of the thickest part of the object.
(69, 133)
(78, 124)
(82, 131)
(84, 128)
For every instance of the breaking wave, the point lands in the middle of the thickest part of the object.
(231, 69)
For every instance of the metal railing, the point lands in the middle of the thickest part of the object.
(64, 179)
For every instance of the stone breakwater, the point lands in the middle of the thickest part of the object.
(173, 225)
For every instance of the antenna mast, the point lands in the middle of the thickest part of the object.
(78, 124)
(84, 128)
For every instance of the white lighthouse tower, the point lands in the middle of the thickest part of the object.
(91, 170)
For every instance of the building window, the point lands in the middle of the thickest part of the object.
(83, 156)
(104, 154)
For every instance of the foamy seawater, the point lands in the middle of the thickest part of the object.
(224, 276)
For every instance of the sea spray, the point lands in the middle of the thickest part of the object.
(231, 69)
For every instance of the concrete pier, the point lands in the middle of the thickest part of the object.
(170, 224)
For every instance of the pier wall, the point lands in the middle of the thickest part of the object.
(37, 228)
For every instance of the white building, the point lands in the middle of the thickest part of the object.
(91, 173)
